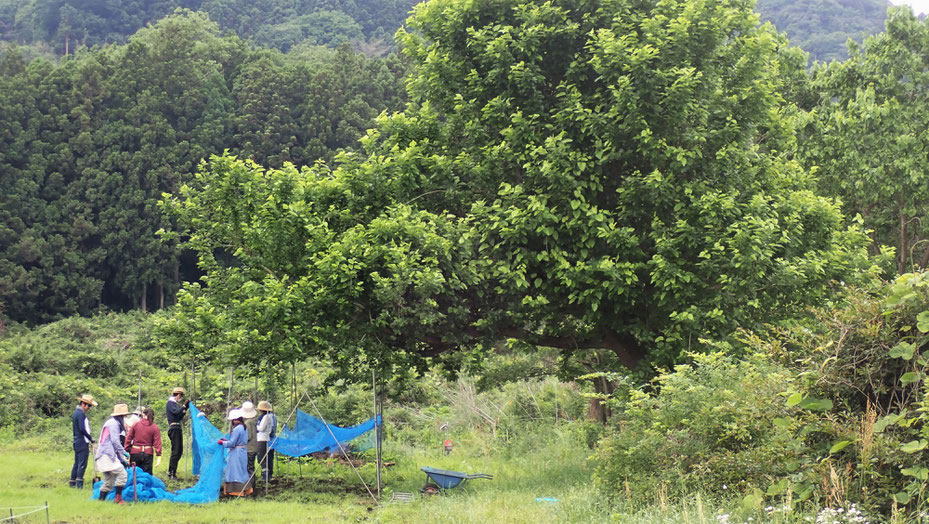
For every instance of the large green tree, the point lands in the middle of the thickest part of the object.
(868, 135)
(576, 174)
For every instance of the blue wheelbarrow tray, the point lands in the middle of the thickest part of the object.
(446, 479)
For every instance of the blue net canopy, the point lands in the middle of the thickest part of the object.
(310, 434)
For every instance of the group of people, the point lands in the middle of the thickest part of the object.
(134, 438)
(125, 438)
(252, 432)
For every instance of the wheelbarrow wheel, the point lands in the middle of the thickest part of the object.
(429, 489)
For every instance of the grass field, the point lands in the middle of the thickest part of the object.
(33, 472)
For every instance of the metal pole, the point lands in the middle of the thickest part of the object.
(140, 388)
(229, 396)
(377, 435)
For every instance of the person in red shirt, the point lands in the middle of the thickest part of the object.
(144, 441)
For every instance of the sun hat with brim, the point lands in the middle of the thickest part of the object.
(139, 410)
(264, 405)
(177, 390)
(120, 409)
(248, 410)
(87, 399)
(234, 414)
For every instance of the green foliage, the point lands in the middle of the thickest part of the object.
(87, 149)
(571, 175)
(711, 426)
(825, 413)
(866, 133)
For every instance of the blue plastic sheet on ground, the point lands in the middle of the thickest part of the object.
(310, 435)
(149, 488)
(209, 460)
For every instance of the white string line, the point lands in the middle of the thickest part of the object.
(20, 507)
(26, 513)
(344, 453)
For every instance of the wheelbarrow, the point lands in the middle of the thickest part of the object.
(444, 479)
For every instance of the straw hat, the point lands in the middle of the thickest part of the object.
(234, 414)
(120, 409)
(264, 405)
(139, 410)
(177, 390)
(248, 410)
(87, 399)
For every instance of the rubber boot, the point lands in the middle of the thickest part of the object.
(79, 484)
(103, 495)
(119, 495)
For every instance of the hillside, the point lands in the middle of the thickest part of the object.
(822, 27)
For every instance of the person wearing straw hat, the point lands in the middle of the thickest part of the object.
(80, 427)
(235, 477)
(267, 429)
(250, 414)
(111, 458)
(176, 408)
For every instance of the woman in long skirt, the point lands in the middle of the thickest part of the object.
(236, 475)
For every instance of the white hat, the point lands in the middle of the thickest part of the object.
(248, 410)
(234, 414)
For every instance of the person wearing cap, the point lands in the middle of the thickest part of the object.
(250, 414)
(235, 478)
(176, 408)
(80, 427)
(144, 441)
(111, 458)
(267, 429)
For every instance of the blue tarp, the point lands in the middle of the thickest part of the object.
(311, 434)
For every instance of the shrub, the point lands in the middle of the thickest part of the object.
(711, 424)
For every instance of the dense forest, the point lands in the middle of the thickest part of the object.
(822, 27)
(88, 147)
(62, 27)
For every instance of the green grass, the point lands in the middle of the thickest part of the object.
(34, 471)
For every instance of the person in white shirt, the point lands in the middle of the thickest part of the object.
(267, 430)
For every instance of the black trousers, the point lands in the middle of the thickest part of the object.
(250, 467)
(176, 435)
(81, 452)
(143, 460)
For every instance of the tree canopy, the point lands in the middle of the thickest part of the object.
(867, 134)
(595, 174)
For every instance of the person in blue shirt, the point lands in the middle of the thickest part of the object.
(236, 477)
(80, 427)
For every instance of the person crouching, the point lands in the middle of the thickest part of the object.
(144, 441)
(111, 458)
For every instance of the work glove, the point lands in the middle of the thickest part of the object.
(126, 456)
(221, 441)
(158, 461)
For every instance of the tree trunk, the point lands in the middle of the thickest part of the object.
(144, 301)
(596, 407)
(161, 295)
(901, 265)
(925, 260)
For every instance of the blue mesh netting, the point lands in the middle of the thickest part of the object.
(209, 460)
(310, 435)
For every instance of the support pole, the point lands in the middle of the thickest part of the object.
(229, 395)
(140, 388)
(48, 520)
(377, 435)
